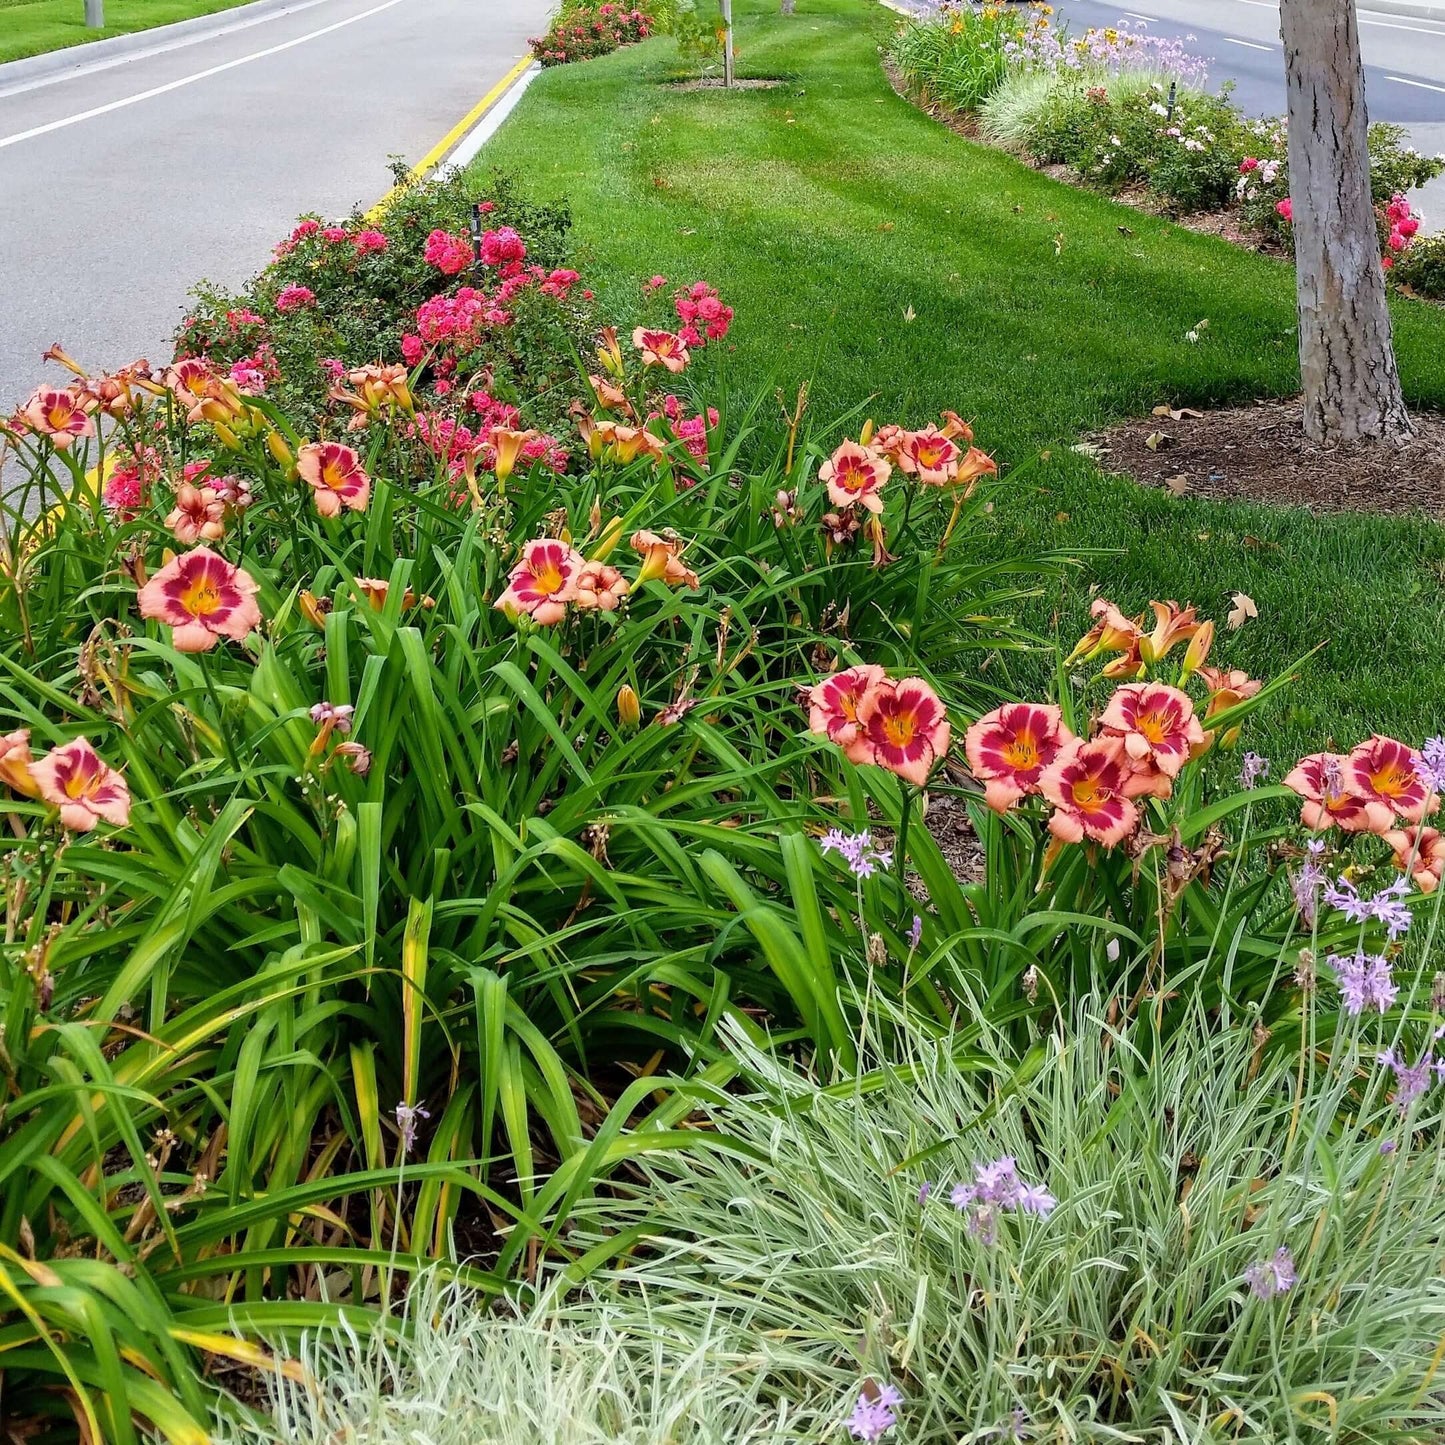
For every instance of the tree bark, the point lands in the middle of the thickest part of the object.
(788, 6)
(1347, 354)
(727, 15)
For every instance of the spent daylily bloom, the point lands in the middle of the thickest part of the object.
(660, 348)
(1009, 748)
(930, 456)
(375, 590)
(1319, 780)
(600, 588)
(543, 582)
(202, 598)
(1087, 784)
(336, 477)
(198, 516)
(833, 703)
(86, 790)
(662, 557)
(955, 428)
(60, 414)
(1172, 625)
(610, 396)
(902, 727)
(1156, 724)
(15, 763)
(1419, 849)
(1383, 770)
(508, 445)
(854, 476)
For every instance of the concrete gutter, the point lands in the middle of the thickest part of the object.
(92, 55)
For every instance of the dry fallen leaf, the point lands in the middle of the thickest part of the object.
(1125, 231)
(1178, 485)
(1164, 409)
(909, 314)
(1176, 413)
(1061, 517)
(1155, 440)
(1059, 244)
(1088, 449)
(886, 226)
(1242, 610)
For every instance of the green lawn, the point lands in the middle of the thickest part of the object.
(33, 27)
(827, 208)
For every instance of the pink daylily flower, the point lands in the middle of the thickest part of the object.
(1087, 783)
(855, 475)
(833, 704)
(1009, 748)
(1156, 724)
(336, 477)
(1319, 779)
(74, 779)
(1382, 770)
(202, 598)
(902, 727)
(543, 582)
(199, 515)
(60, 414)
(1422, 851)
(660, 348)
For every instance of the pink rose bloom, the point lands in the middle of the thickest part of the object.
(369, 241)
(292, 298)
(450, 254)
(501, 246)
(1285, 209)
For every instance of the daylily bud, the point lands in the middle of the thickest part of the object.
(866, 435)
(226, 436)
(629, 709)
(611, 536)
(276, 445)
(609, 353)
(1198, 650)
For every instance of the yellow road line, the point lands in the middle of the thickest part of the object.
(439, 151)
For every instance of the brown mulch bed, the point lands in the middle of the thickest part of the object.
(1259, 453)
(716, 82)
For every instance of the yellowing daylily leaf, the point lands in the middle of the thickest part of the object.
(244, 1352)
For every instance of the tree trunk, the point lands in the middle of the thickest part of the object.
(1347, 355)
(788, 6)
(727, 15)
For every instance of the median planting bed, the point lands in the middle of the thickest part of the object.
(487, 730)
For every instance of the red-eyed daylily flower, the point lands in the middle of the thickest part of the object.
(15, 763)
(336, 477)
(660, 348)
(662, 557)
(854, 476)
(205, 395)
(202, 598)
(508, 444)
(1156, 725)
(1111, 632)
(1383, 771)
(1086, 783)
(624, 444)
(1422, 851)
(543, 582)
(600, 587)
(1320, 780)
(1009, 748)
(199, 515)
(1172, 625)
(833, 703)
(74, 779)
(60, 414)
(930, 456)
(902, 727)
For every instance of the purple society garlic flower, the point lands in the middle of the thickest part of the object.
(1267, 1278)
(1430, 765)
(406, 1117)
(1252, 769)
(996, 1189)
(1365, 981)
(873, 1413)
(915, 933)
(857, 851)
(1411, 1080)
(1387, 906)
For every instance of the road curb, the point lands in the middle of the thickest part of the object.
(462, 142)
(101, 54)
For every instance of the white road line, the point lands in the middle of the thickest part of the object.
(1418, 84)
(68, 120)
(1252, 44)
(1391, 25)
(84, 67)
(1134, 15)
(1263, 4)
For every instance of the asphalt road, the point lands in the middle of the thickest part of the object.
(201, 156)
(1404, 62)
